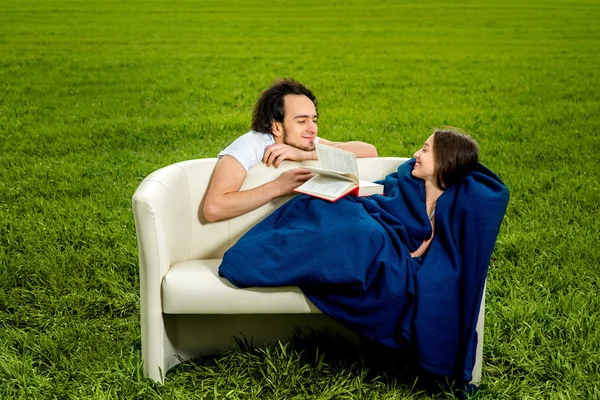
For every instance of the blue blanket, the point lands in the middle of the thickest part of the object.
(352, 259)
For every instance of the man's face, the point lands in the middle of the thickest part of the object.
(299, 128)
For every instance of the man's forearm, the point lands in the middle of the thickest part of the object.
(229, 205)
(361, 149)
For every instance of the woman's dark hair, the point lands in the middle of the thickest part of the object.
(270, 105)
(455, 155)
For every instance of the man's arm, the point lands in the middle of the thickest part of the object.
(361, 149)
(276, 153)
(225, 200)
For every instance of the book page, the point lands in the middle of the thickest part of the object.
(340, 161)
(329, 173)
(333, 187)
(368, 184)
(366, 188)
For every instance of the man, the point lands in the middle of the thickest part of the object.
(284, 127)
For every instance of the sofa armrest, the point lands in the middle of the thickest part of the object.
(163, 218)
(161, 207)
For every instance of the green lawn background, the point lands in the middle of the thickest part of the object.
(96, 95)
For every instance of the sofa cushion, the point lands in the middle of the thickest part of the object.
(194, 287)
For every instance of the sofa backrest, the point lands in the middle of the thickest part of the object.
(174, 197)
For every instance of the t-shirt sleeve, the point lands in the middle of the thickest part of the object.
(248, 149)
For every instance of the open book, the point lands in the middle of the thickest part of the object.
(337, 176)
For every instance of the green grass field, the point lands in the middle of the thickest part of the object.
(96, 95)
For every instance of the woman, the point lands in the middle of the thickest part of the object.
(447, 156)
(373, 264)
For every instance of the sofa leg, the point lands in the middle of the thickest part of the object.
(158, 353)
(477, 369)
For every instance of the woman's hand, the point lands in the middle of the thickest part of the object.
(425, 245)
(423, 248)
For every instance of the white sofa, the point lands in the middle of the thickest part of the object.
(187, 310)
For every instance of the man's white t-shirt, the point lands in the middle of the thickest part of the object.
(249, 148)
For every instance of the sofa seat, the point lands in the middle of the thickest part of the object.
(194, 287)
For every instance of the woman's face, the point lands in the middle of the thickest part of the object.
(425, 166)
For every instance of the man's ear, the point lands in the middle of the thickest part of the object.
(277, 129)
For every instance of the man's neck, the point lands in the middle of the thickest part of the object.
(279, 139)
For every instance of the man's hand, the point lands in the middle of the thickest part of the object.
(276, 153)
(290, 180)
